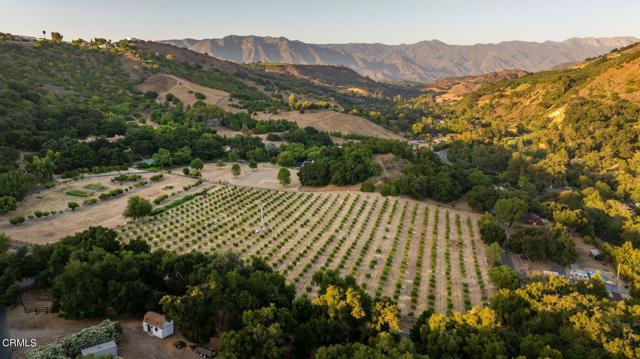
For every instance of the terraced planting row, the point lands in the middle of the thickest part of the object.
(420, 255)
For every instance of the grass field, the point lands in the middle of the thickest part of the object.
(421, 255)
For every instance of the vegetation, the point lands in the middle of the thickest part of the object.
(138, 207)
(284, 176)
(256, 313)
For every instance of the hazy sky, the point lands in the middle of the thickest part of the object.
(326, 21)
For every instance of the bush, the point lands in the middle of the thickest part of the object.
(95, 187)
(200, 96)
(90, 201)
(73, 205)
(78, 193)
(7, 204)
(367, 187)
(157, 177)
(16, 220)
(388, 189)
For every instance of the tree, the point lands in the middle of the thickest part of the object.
(285, 159)
(56, 37)
(4, 243)
(504, 277)
(284, 176)
(235, 169)
(43, 167)
(220, 163)
(182, 155)
(197, 164)
(482, 198)
(495, 253)
(385, 316)
(7, 204)
(138, 207)
(73, 205)
(490, 230)
(510, 210)
(15, 184)
(263, 335)
(253, 164)
(162, 158)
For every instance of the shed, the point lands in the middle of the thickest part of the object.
(107, 349)
(157, 325)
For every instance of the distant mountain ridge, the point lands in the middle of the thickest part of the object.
(422, 61)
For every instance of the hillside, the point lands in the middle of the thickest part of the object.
(453, 88)
(343, 79)
(422, 61)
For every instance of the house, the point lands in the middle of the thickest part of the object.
(157, 325)
(533, 219)
(108, 349)
(594, 253)
(115, 138)
(577, 273)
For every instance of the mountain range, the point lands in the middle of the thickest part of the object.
(422, 61)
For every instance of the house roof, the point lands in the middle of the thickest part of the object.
(98, 348)
(155, 319)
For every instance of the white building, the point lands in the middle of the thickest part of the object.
(108, 349)
(577, 273)
(157, 325)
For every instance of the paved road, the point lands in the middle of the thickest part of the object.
(444, 156)
(4, 333)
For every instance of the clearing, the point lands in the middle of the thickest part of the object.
(331, 121)
(184, 90)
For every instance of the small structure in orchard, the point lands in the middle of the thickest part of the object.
(104, 350)
(157, 325)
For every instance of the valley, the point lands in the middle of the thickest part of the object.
(418, 201)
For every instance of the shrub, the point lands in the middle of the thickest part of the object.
(16, 220)
(367, 187)
(7, 204)
(78, 193)
(388, 189)
(95, 187)
(200, 96)
(156, 177)
(73, 205)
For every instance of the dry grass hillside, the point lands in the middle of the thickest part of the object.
(453, 88)
(605, 80)
(331, 121)
(185, 90)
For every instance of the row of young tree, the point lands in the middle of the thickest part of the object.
(255, 313)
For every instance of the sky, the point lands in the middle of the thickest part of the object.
(327, 21)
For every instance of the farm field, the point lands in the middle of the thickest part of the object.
(60, 221)
(421, 255)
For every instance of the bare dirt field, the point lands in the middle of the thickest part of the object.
(106, 213)
(331, 121)
(377, 239)
(265, 176)
(46, 328)
(185, 91)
